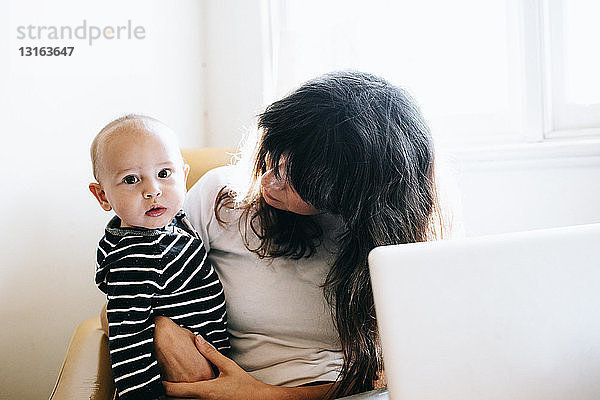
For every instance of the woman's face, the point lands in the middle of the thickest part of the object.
(279, 194)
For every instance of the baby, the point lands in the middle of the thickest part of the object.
(150, 261)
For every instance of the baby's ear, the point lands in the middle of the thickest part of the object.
(100, 195)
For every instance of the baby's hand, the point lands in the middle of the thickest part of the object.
(177, 355)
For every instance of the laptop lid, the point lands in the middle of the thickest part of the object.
(513, 316)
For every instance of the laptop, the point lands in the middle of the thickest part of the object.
(513, 316)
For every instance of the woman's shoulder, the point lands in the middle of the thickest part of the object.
(216, 177)
(205, 190)
(200, 199)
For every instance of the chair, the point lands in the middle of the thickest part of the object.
(86, 372)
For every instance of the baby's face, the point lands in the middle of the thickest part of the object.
(143, 178)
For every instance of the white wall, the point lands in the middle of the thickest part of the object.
(201, 71)
(234, 69)
(529, 187)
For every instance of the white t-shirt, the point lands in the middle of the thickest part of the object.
(280, 326)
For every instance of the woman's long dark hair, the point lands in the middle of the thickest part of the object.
(358, 147)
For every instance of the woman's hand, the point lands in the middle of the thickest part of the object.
(235, 383)
(177, 356)
(231, 383)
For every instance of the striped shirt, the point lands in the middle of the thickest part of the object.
(150, 272)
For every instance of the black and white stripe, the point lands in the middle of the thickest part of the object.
(146, 273)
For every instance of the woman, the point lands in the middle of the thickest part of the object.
(345, 163)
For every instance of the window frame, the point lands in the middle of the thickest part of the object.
(537, 31)
(559, 112)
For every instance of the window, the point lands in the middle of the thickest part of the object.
(574, 56)
(499, 71)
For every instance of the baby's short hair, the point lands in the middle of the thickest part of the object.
(95, 148)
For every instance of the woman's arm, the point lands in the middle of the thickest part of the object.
(234, 383)
(177, 357)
